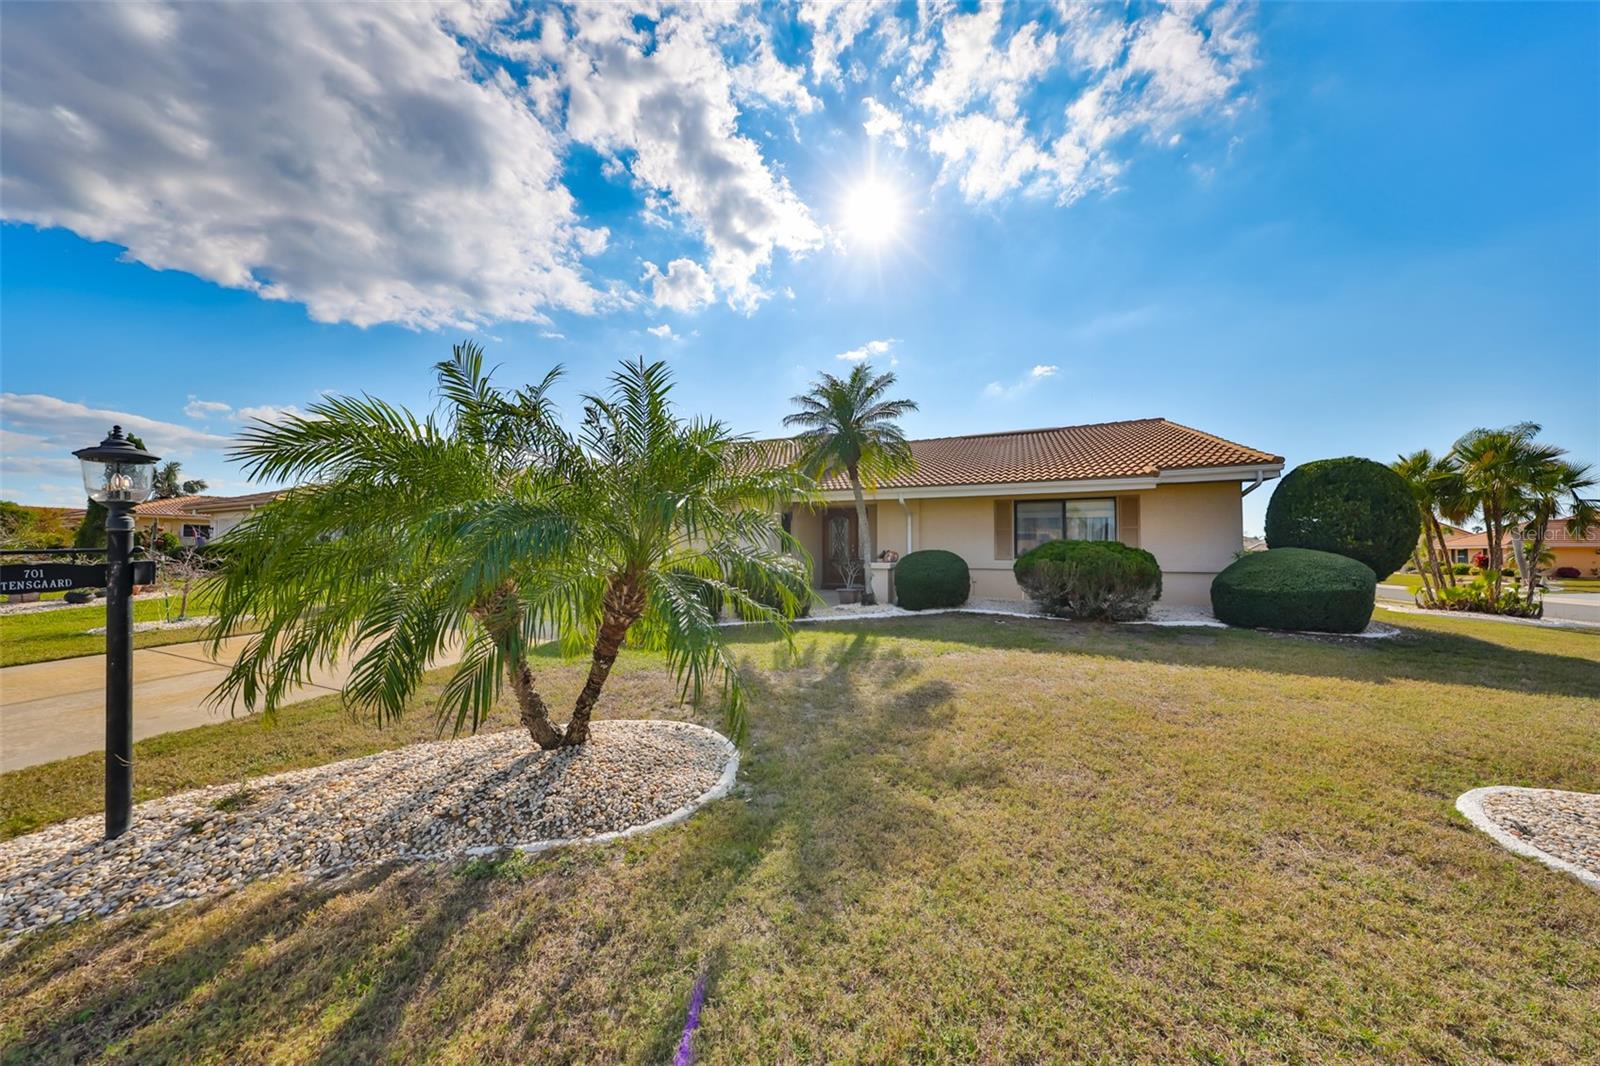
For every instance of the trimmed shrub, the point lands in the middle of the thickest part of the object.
(1462, 568)
(1295, 588)
(1565, 571)
(1351, 507)
(931, 578)
(1090, 579)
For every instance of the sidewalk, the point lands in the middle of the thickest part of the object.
(57, 709)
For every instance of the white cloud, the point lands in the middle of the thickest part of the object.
(1001, 391)
(667, 100)
(869, 350)
(266, 412)
(552, 335)
(684, 287)
(202, 409)
(1140, 77)
(834, 25)
(882, 122)
(357, 158)
(41, 432)
(663, 331)
(405, 162)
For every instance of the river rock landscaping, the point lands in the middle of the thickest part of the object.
(432, 801)
(1542, 823)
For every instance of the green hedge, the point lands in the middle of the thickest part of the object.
(932, 578)
(1295, 588)
(1352, 507)
(1090, 579)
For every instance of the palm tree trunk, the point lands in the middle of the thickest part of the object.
(623, 605)
(864, 529)
(1422, 573)
(531, 709)
(1533, 560)
(1444, 551)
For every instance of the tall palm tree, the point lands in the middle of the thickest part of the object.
(850, 427)
(1500, 470)
(493, 527)
(1421, 473)
(1556, 485)
(169, 482)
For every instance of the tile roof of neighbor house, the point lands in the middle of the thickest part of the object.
(1139, 448)
(1555, 536)
(172, 507)
(238, 503)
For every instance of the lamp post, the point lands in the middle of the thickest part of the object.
(120, 475)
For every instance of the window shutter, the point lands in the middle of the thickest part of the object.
(1128, 520)
(1004, 542)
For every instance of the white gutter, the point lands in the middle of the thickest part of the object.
(1253, 486)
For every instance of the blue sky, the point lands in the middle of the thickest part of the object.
(1316, 229)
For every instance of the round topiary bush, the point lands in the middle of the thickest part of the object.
(1351, 507)
(1090, 579)
(931, 578)
(1295, 588)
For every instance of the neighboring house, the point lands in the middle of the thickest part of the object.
(1582, 553)
(225, 512)
(1154, 484)
(1255, 544)
(193, 518)
(177, 515)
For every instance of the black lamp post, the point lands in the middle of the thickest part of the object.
(120, 475)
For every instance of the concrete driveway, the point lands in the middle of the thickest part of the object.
(57, 709)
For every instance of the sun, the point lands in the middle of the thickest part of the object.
(872, 212)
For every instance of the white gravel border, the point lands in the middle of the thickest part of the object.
(723, 786)
(1470, 804)
(1481, 616)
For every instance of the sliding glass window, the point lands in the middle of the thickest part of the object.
(1038, 521)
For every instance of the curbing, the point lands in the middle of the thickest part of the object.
(1470, 804)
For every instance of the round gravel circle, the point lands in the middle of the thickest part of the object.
(435, 801)
(1560, 829)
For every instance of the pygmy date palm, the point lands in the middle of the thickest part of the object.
(489, 528)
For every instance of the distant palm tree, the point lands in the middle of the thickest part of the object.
(495, 528)
(849, 427)
(1518, 484)
(169, 482)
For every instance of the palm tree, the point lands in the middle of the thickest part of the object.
(492, 527)
(169, 482)
(1419, 469)
(1556, 485)
(849, 427)
(1512, 479)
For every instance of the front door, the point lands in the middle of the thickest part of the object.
(841, 540)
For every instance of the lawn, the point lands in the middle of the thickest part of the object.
(956, 839)
(40, 636)
(1557, 584)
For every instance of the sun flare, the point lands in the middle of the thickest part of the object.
(872, 213)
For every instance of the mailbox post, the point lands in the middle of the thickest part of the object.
(120, 475)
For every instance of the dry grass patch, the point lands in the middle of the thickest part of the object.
(959, 838)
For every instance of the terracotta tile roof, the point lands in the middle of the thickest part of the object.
(238, 503)
(176, 507)
(1139, 448)
(1555, 536)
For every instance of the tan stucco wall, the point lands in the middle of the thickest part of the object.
(1586, 558)
(1193, 530)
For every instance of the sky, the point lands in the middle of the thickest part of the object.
(1317, 229)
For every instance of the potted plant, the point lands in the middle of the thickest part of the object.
(851, 570)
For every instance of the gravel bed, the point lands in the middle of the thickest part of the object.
(1161, 614)
(195, 622)
(439, 800)
(1560, 829)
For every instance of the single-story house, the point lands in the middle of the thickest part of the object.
(178, 515)
(1581, 553)
(989, 497)
(225, 512)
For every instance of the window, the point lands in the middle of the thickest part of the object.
(1038, 521)
(190, 532)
